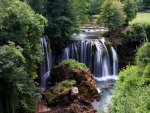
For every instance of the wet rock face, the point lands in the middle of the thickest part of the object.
(83, 77)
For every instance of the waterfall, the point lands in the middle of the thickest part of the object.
(46, 64)
(115, 61)
(94, 53)
(100, 59)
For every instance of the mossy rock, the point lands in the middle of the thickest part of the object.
(71, 64)
(72, 70)
(59, 93)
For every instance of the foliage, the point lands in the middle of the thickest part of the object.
(147, 30)
(56, 93)
(140, 5)
(146, 4)
(130, 9)
(17, 89)
(143, 54)
(71, 64)
(82, 10)
(135, 32)
(133, 88)
(61, 22)
(20, 24)
(95, 6)
(137, 102)
(37, 5)
(112, 14)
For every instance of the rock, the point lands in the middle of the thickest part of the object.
(42, 107)
(73, 70)
(107, 85)
(62, 93)
(79, 105)
(74, 92)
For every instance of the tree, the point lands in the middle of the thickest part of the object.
(112, 15)
(37, 5)
(146, 4)
(143, 54)
(17, 89)
(21, 25)
(82, 8)
(62, 22)
(130, 9)
(95, 6)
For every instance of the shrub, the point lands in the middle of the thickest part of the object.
(133, 88)
(143, 54)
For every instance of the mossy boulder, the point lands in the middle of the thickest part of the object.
(60, 93)
(71, 64)
(73, 70)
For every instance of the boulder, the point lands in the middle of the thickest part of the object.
(79, 105)
(73, 70)
(62, 93)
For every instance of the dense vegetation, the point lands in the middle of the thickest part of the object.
(23, 27)
(17, 89)
(133, 88)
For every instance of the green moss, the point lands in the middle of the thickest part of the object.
(71, 64)
(56, 94)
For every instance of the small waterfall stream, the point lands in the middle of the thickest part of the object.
(46, 63)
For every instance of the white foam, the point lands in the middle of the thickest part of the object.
(105, 78)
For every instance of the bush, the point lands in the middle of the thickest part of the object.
(132, 93)
(135, 32)
(147, 30)
(143, 54)
(137, 102)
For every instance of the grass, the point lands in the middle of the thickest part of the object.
(142, 17)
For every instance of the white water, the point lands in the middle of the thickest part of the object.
(46, 63)
(115, 61)
(95, 55)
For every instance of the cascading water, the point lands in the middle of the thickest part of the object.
(99, 58)
(46, 63)
(115, 61)
(95, 55)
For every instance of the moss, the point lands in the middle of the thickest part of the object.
(56, 94)
(71, 64)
